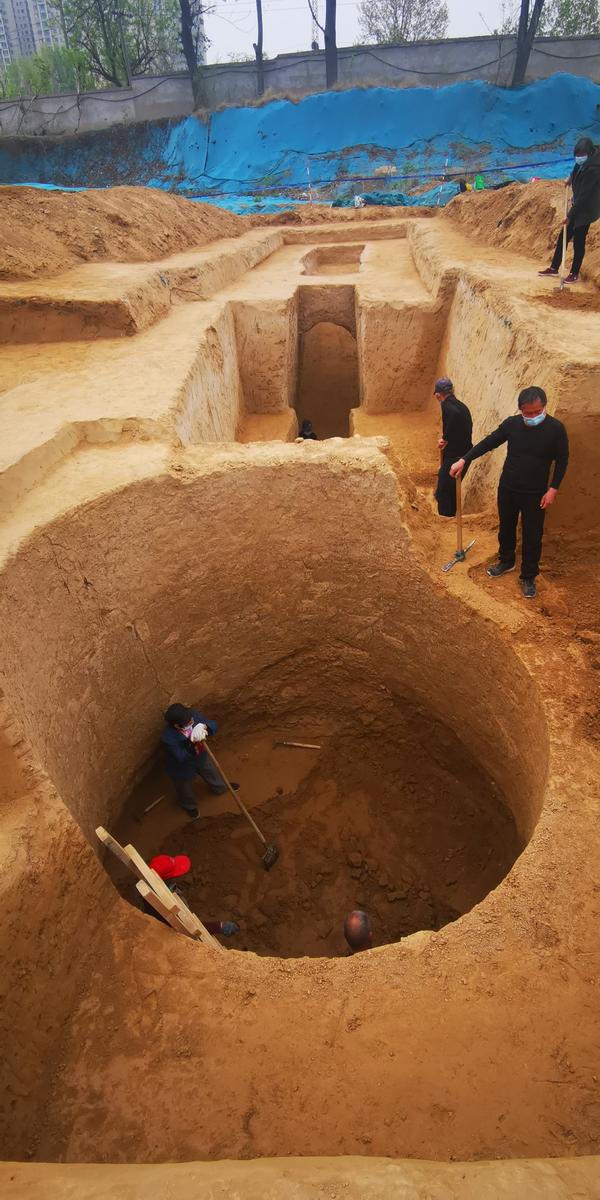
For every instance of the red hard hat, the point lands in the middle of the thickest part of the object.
(169, 867)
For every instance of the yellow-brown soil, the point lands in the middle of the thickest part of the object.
(164, 538)
(44, 233)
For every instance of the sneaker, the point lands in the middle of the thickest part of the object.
(572, 278)
(192, 813)
(548, 271)
(223, 791)
(500, 568)
(528, 589)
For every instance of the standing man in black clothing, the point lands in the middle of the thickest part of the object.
(535, 441)
(585, 181)
(456, 439)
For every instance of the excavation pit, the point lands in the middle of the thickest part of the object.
(333, 260)
(392, 816)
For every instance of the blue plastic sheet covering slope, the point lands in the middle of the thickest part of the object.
(335, 143)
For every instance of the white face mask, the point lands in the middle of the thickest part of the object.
(535, 420)
(580, 159)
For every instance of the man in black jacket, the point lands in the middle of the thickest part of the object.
(535, 441)
(456, 439)
(585, 181)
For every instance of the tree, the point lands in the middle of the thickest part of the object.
(329, 33)
(570, 18)
(53, 69)
(331, 59)
(119, 39)
(258, 50)
(390, 22)
(193, 37)
(527, 29)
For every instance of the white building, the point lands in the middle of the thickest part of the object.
(26, 26)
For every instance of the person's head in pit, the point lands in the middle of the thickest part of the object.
(358, 932)
(443, 388)
(179, 716)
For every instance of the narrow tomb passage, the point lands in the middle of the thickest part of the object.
(391, 815)
(328, 385)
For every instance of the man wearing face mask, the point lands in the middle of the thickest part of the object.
(585, 181)
(534, 442)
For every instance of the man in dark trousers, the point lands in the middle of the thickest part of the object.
(535, 441)
(456, 439)
(186, 757)
(585, 181)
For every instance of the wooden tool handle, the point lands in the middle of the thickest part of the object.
(459, 545)
(237, 798)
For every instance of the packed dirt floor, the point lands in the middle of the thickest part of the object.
(165, 538)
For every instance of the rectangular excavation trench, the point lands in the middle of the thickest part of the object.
(326, 353)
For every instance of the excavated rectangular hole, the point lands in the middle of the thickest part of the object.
(333, 260)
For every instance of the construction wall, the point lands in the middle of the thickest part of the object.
(434, 64)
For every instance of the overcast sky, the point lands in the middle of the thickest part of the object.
(232, 26)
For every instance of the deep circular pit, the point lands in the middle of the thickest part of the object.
(392, 815)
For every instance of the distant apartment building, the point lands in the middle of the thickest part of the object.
(26, 26)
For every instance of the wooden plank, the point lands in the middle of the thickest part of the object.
(170, 915)
(140, 868)
(112, 844)
(184, 920)
(165, 894)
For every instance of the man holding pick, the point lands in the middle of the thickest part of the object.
(535, 441)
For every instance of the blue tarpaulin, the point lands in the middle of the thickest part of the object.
(338, 144)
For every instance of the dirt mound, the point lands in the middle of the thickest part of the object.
(522, 218)
(319, 214)
(48, 232)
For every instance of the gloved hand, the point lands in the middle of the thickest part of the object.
(199, 733)
(229, 928)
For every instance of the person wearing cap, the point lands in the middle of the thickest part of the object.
(535, 441)
(185, 755)
(172, 868)
(358, 932)
(456, 440)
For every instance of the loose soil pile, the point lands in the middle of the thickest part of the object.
(319, 214)
(523, 218)
(45, 233)
(400, 822)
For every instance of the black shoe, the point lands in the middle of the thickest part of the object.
(528, 588)
(235, 787)
(500, 568)
(192, 813)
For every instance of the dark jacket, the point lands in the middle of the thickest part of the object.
(457, 428)
(585, 182)
(531, 452)
(181, 760)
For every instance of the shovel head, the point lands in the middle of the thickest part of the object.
(270, 856)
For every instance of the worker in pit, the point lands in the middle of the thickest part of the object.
(456, 440)
(535, 441)
(185, 755)
(358, 932)
(585, 181)
(173, 868)
(306, 433)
